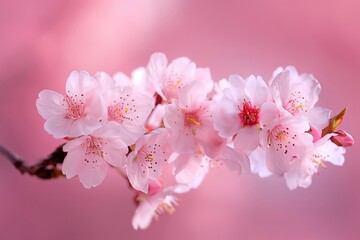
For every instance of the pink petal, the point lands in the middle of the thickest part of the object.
(174, 118)
(183, 66)
(157, 115)
(115, 152)
(121, 80)
(156, 71)
(203, 75)
(74, 144)
(237, 82)
(193, 173)
(318, 117)
(210, 141)
(226, 118)
(142, 84)
(79, 83)
(330, 152)
(257, 90)
(104, 81)
(237, 95)
(93, 174)
(143, 215)
(298, 175)
(269, 113)
(184, 142)
(257, 162)
(59, 127)
(276, 162)
(128, 133)
(234, 160)
(137, 175)
(192, 96)
(72, 163)
(280, 88)
(50, 104)
(247, 139)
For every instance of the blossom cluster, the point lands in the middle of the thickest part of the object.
(165, 126)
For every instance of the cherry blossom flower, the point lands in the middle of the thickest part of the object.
(191, 169)
(75, 114)
(126, 109)
(298, 95)
(88, 156)
(301, 170)
(238, 112)
(190, 120)
(152, 206)
(285, 139)
(169, 123)
(150, 154)
(168, 79)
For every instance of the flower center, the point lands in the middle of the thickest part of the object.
(92, 145)
(175, 84)
(172, 84)
(279, 135)
(296, 103)
(191, 120)
(75, 108)
(117, 112)
(249, 115)
(281, 139)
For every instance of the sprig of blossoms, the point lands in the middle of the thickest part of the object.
(173, 118)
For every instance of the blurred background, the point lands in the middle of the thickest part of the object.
(43, 40)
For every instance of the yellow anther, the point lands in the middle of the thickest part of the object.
(192, 120)
(169, 209)
(149, 157)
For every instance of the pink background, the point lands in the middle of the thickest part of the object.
(42, 41)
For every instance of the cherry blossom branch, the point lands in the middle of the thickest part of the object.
(45, 169)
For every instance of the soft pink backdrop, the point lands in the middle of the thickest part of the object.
(42, 41)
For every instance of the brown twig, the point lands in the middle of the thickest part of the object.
(45, 169)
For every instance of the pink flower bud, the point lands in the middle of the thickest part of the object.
(342, 139)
